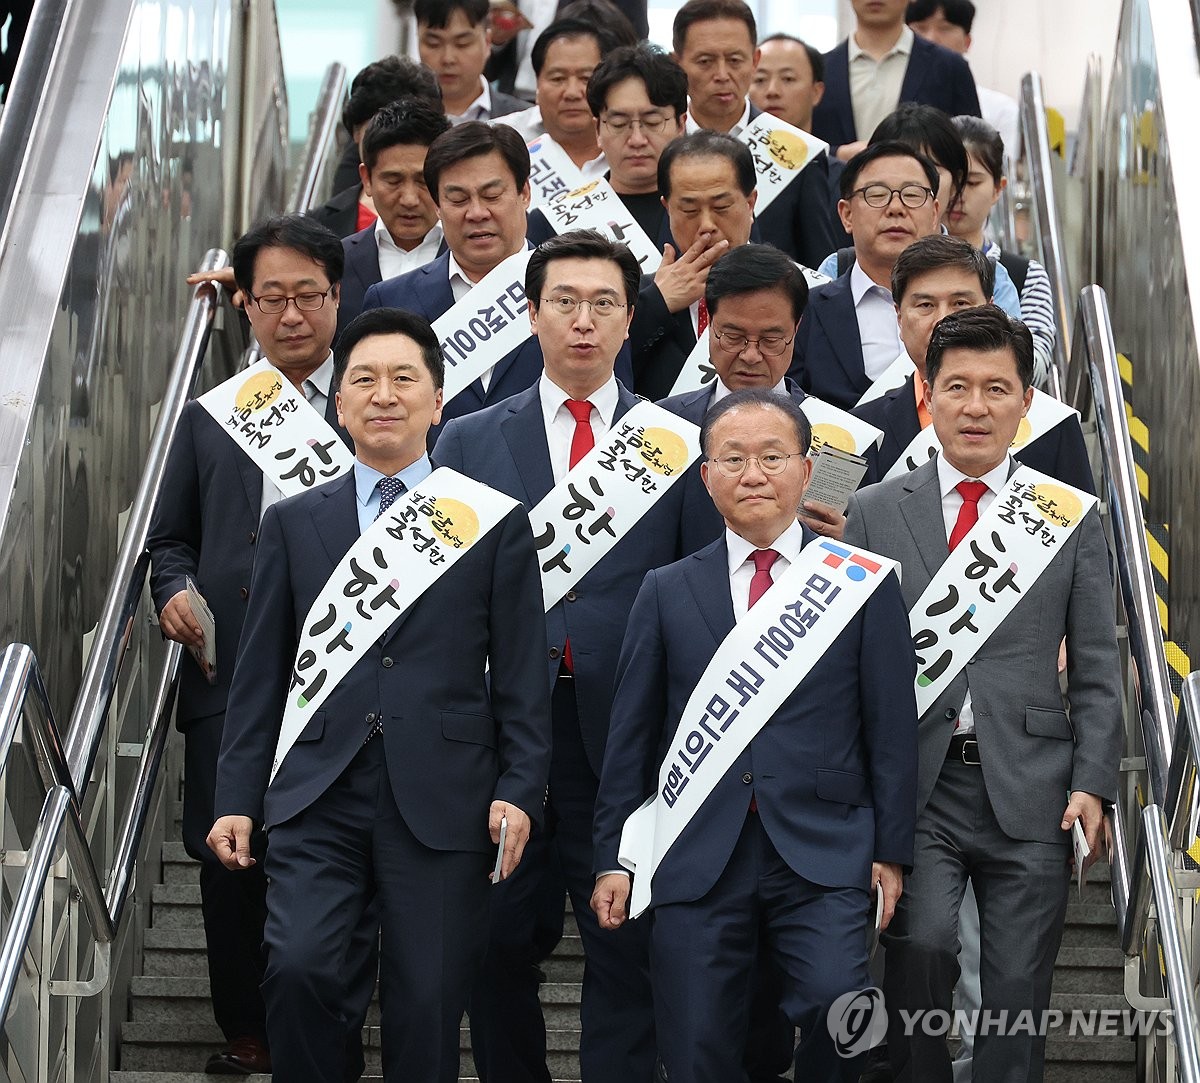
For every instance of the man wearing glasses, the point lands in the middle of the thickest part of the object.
(851, 337)
(816, 808)
(581, 290)
(205, 528)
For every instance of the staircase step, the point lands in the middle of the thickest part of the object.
(175, 906)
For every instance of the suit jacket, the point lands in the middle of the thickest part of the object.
(833, 771)
(1032, 753)
(340, 213)
(205, 525)
(798, 221)
(827, 357)
(934, 76)
(361, 273)
(700, 523)
(504, 104)
(1060, 452)
(505, 447)
(659, 342)
(456, 737)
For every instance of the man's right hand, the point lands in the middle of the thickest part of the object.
(610, 900)
(179, 623)
(848, 150)
(681, 280)
(229, 839)
(223, 277)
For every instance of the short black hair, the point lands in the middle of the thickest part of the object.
(960, 13)
(981, 329)
(581, 244)
(404, 122)
(927, 129)
(602, 13)
(886, 149)
(605, 41)
(389, 321)
(473, 139)
(982, 140)
(437, 13)
(665, 81)
(384, 81)
(706, 144)
(700, 11)
(757, 396)
(295, 231)
(936, 251)
(815, 58)
(750, 268)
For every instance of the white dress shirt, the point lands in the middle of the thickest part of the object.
(394, 260)
(527, 122)
(877, 328)
(691, 126)
(875, 84)
(948, 478)
(316, 391)
(560, 425)
(479, 109)
(741, 567)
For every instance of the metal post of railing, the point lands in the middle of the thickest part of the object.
(1121, 885)
(322, 130)
(1004, 214)
(120, 608)
(1180, 803)
(1050, 230)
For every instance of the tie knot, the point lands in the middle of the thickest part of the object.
(764, 559)
(580, 409)
(389, 490)
(971, 491)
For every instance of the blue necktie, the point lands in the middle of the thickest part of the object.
(390, 490)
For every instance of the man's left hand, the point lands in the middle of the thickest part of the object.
(823, 519)
(515, 837)
(1091, 809)
(889, 879)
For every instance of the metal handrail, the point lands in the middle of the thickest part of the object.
(322, 134)
(1049, 224)
(1004, 214)
(1180, 803)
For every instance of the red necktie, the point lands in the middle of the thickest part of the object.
(582, 441)
(968, 514)
(759, 585)
(701, 318)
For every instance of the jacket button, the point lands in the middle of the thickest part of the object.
(747, 778)
(253, 535)
(387, 663)
(370, 718)
(971, 661)
(571, 596)
(554, 652)
(244, 593)
(950, 712)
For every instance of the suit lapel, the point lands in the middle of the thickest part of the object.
(914, 73)
(336, 518)
(922, 511)
(252, 480)
(525, 434)
(707, 576)
(835, 312)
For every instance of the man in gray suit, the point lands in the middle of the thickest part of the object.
(1004, 771)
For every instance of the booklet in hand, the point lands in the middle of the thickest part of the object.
(206, 654)
(835, 476)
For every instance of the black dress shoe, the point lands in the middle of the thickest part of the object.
(244, 1056)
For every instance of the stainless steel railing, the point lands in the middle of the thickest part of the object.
(320, 145)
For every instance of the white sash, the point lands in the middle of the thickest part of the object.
(607, 492)
(892, 377)
(262, 412)
(759, 664)
(491, 320)
(551, 172)
(988, 573)
(400, 556)
(839, 429)
(781, 151)
(1045, 411)
(596, 205)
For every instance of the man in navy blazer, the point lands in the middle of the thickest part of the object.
(478, 175)
(397, 786)
(882, 46)
(816, 812)
(205, 527)
(848, 337)
(524, 447)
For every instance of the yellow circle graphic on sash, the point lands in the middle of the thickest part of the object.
(454, 522)
(1024, 432)
(834, 436)
(258, 392)
(789, 150)
(664, 452)
(579, 191)
(1058, 504)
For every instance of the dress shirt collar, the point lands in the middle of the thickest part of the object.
(320, 379)
(720, 390)
(861, 284)
(553, 398)
(949, 476)
(787, 545)
(459, 277)
(384, 240)
(903, 45)
(366, 478)
(690, 125)
(479, 109)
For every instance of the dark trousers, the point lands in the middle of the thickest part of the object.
(616, 1011)
(325, 866)
(703, 956)
(233, 902)
(1021, 888)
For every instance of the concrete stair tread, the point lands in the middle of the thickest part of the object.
(169, 939)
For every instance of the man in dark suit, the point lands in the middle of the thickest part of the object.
(816, 810)
(849, 336)
(882, 64)
(407, 234)
(523, 447)
(1003, 772)
(205, 528)
(934, 277)
(397, 787)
